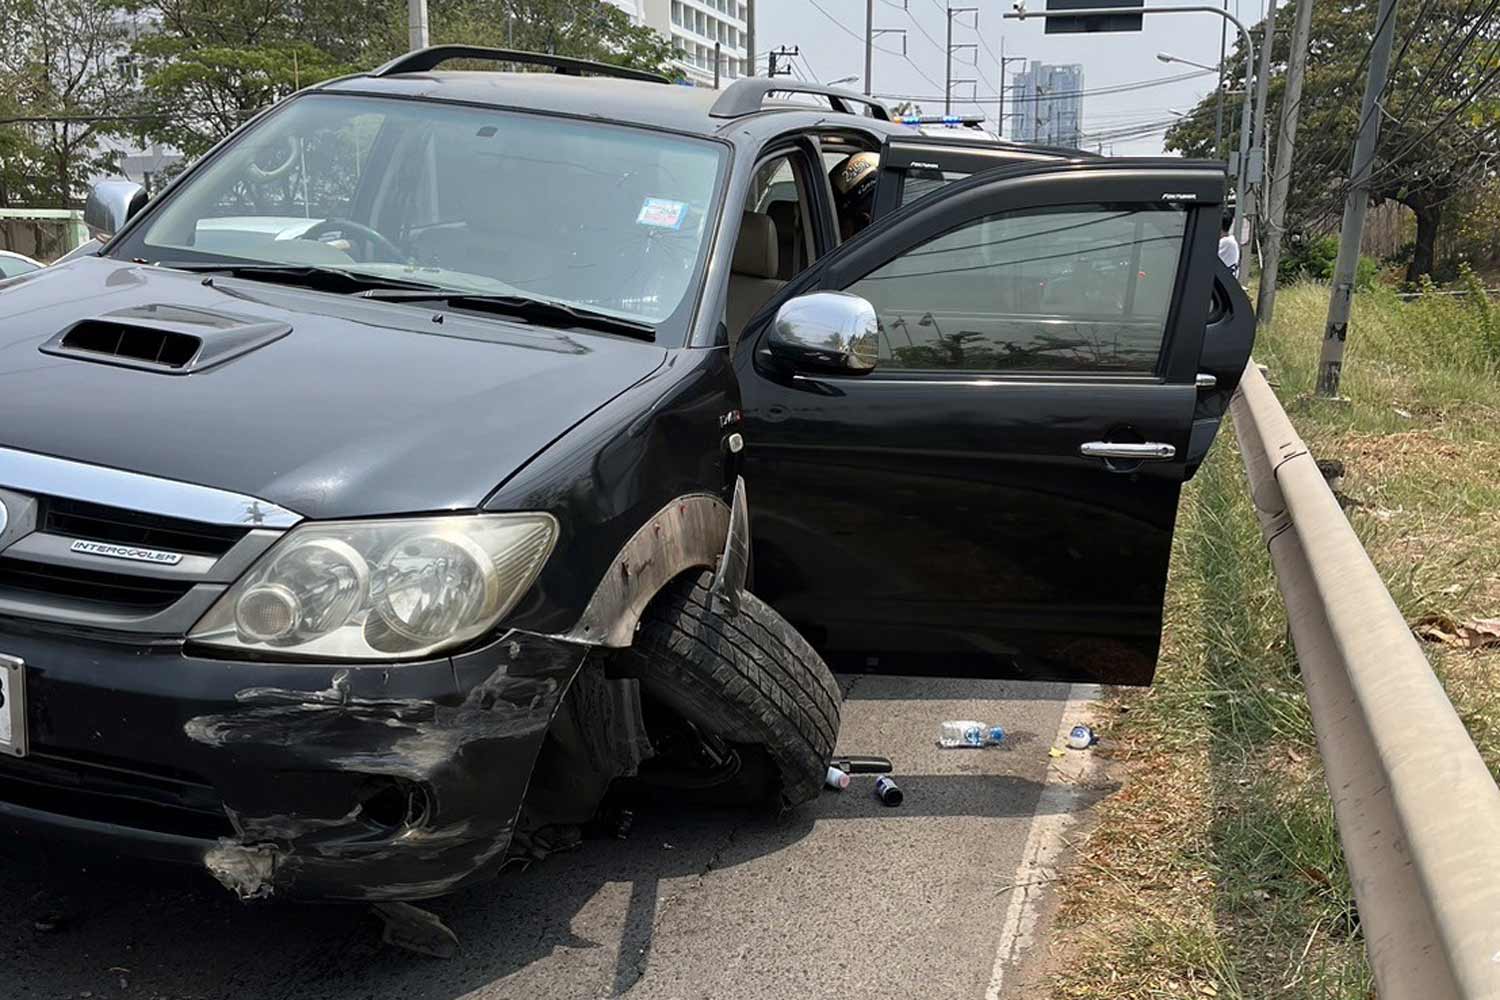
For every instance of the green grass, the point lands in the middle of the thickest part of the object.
(1216, 869)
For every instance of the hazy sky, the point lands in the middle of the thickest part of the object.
(830, 34)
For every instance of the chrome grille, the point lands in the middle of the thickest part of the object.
(80, 542)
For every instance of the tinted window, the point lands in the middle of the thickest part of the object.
(921, 181)
(1078, 288)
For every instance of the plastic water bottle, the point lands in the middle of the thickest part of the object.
(967, 733)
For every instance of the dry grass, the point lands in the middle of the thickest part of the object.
(1216, 870)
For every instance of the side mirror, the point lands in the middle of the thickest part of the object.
(110, 205)
(830, 332)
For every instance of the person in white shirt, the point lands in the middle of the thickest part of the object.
(1229, 247)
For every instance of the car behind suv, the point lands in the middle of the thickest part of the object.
(445, 452)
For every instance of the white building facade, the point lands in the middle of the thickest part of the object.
(695, 26)
(1048, 106)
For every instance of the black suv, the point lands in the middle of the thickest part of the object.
(392, 489)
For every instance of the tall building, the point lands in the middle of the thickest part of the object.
(694, 26)
(1048, 105)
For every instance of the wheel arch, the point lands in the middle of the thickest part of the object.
(692, 532)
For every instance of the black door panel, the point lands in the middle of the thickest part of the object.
(921, 525)
(949, 513)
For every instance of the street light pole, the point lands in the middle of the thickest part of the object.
(869, 41)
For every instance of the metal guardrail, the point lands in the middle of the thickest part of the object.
(1418, 813)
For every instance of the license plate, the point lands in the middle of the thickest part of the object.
(12, 706)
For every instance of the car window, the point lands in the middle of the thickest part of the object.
(1076, 288)
(921, 181)
(10, 267)
(472, 199)
(777, 191)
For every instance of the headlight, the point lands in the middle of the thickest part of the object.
(381, 589)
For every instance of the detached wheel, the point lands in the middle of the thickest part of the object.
(749, 681)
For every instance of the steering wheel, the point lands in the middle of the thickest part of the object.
(260, 175)
(358, 229)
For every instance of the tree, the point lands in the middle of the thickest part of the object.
(58, 72)
(1440, 130)
(212, 64)
(584, 29)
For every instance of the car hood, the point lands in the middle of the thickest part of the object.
(363, 408)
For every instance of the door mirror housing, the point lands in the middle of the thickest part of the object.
(110, 205)
(826, 332)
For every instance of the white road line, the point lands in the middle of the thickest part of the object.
(1056, 811)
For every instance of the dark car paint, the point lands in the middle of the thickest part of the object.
(286, 779)
(930, 522)
(600, 431)
(365, 408)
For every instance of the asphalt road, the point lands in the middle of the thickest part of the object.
(842, 898)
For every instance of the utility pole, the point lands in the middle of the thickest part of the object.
(1281, 176)
(948, 66)
(948, 54)
(869, 41)
(750, 35)
(416, 24)
(1331, 360)
(1255, 195)
(781, 53)
(1005, 60)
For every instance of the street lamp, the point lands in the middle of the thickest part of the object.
(842, 79)
(1167, 57)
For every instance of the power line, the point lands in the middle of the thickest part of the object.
(1087, 92)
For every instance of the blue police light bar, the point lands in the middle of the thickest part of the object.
(952, 121)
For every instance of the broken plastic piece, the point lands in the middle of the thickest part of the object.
(415, 929)
(1056, 752)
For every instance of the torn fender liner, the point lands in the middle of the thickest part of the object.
(248, 872)
(381, 782)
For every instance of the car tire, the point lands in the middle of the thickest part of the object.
(749, 679)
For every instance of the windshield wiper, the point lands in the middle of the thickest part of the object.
(315, 276)
(544, 312)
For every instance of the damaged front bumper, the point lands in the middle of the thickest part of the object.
(353, 782)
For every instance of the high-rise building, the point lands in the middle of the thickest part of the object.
(694, 26)
(1047, 106)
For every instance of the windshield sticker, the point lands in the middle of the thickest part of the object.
(662, 213)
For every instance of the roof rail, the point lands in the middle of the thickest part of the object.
(747, 95)
(433, 56)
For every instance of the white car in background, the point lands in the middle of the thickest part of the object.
(13, 264)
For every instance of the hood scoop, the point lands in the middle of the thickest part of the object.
(170, 340)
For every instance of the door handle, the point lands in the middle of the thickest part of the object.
(1138, 451)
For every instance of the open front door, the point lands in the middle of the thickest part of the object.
(997, 497)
